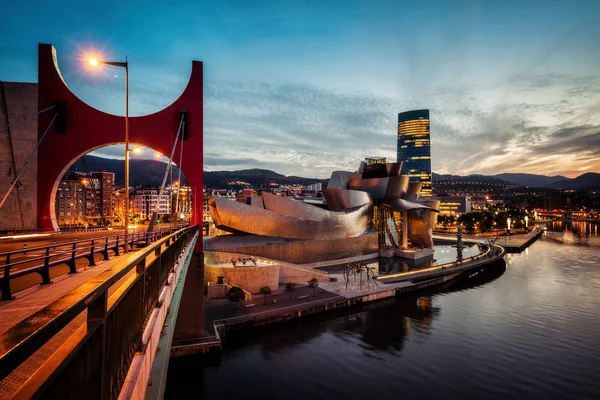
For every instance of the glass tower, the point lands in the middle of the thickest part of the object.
(413, 147)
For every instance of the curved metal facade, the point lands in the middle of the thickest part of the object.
(340, 199)
(303, 223)
(350, 199)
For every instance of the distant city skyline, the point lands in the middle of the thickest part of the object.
(310, 88)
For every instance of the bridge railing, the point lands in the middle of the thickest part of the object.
(93, 362)
(67, 253)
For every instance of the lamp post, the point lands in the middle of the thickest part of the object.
(527, 222)
(508, 225)
(96, 62)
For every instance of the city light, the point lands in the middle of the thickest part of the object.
(30, 235)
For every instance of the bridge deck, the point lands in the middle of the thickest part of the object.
(32, 300)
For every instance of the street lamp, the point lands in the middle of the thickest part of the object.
(95, 62)
(508, 225)
(72, 216)
(527, 222)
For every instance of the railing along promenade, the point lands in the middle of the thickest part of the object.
(491, 251)
(68, 253)
(93, 362)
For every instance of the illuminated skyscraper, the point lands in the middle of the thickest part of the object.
(413, 147)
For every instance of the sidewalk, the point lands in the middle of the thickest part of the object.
(215, 309)
(34, 299)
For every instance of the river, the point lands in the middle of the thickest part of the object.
(527, 328)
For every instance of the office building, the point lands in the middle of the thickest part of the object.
(145, 200)
(414, 149)
(453, 205)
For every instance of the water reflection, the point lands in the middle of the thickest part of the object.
(529, 331)
(574, 232)
(378, 329)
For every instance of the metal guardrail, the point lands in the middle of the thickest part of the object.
(93, 362)
(80, 229)
(446, 268)
(68, 254)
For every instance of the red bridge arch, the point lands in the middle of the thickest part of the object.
(89, 129)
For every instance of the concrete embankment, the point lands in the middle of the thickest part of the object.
(337, 295)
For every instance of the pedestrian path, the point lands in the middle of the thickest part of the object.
(512, 243)
(32, 300)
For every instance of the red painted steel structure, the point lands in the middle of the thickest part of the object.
(89, 129)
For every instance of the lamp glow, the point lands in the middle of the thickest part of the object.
(93, 61)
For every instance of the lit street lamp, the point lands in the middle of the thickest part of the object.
(72, 216)
(95, 62)
(508, 225)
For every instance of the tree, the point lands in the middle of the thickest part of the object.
(290, 287)
(265, 291)
(314, 284)
(236, 294)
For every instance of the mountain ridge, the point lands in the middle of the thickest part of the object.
(151, 172)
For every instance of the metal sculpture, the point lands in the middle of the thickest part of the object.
(357, 268)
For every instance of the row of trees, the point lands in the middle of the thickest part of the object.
(236, 294)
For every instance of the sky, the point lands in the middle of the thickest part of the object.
(309, 87)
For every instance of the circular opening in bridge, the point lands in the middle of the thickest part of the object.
(90, 193)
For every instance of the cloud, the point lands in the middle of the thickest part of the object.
(306, 130)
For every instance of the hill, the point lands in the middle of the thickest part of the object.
(141, 172)
(469, 178)
(255, 177)
(587, 180)
(531, 180)
(151, 172)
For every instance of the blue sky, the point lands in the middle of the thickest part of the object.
(309, 87)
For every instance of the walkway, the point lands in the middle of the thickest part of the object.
(513, 243)
(279, 302)
(34, 299)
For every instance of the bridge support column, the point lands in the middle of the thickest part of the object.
(190, 319)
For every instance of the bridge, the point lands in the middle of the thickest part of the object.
(84, 313)
(95, 332)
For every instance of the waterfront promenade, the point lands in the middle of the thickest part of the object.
(222, 316)
(512, 243)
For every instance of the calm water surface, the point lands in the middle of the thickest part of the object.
(526, 329)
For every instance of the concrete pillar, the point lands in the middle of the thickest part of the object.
(190, 319)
